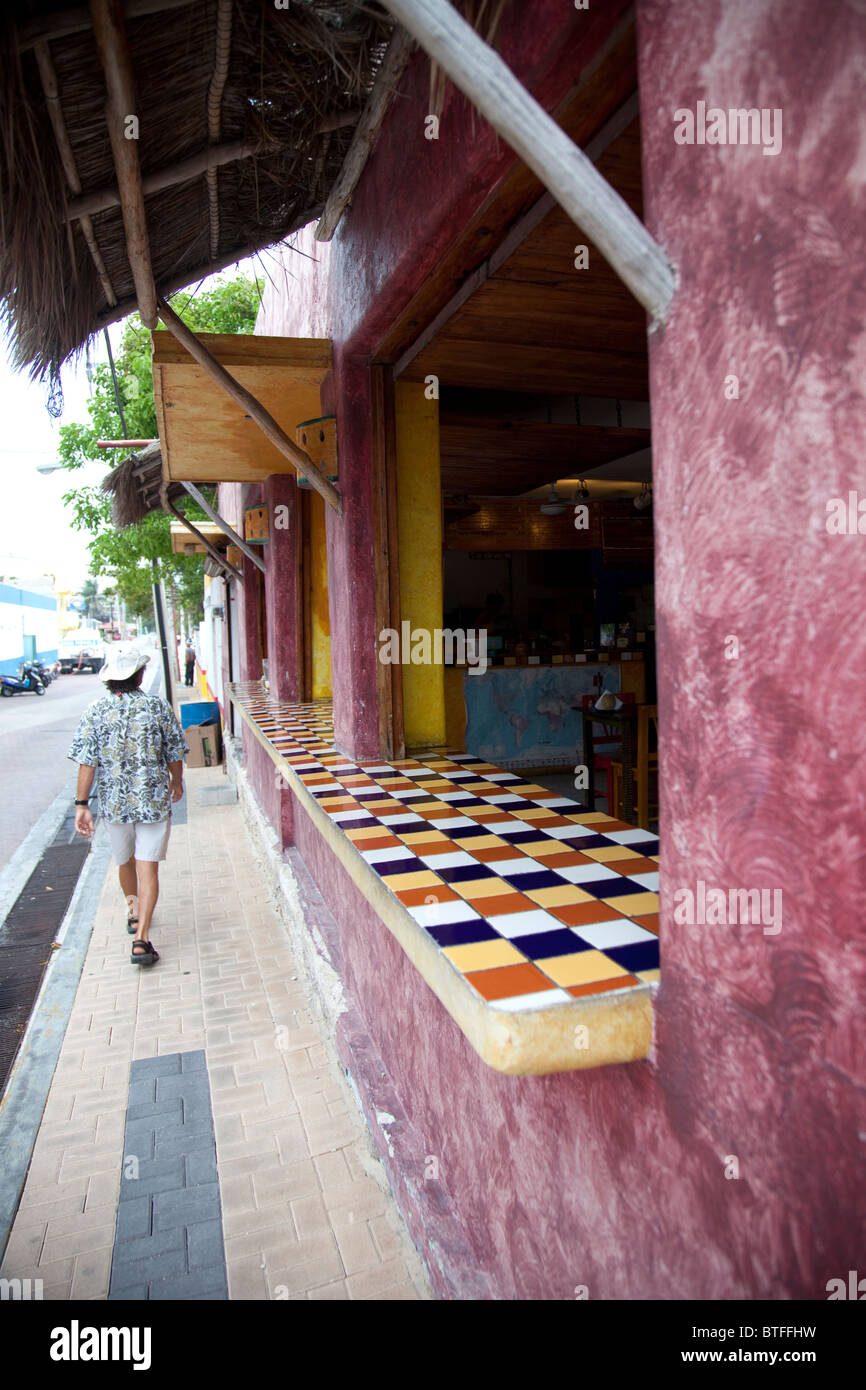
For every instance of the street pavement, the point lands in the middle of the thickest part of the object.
(35, 734)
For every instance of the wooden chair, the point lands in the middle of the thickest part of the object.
(647, 761)
(608, 762)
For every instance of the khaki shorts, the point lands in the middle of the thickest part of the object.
(139, 841)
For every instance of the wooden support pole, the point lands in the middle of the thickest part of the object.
(210, 158)
(114, 57)
(227, 530)
(564, 169)
(124, 443)
(211, 549)
(214, 113)
(296, 456)
(367, 129)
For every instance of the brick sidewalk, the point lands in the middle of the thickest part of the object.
(306, 1211)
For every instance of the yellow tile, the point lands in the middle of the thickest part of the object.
(482, 888)
(584, 968)
(526, 789)
(429, 805)
(649, 977)
(483, 955)
(536, 813)
(559, 897)
(424, 878)
(607, 856)
(369, 832)
(425, 836)
(590, 818)
(636, 904)
(541, 849)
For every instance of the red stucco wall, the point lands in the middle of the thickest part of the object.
(615, 1179)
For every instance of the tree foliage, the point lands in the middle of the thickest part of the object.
(124, 557)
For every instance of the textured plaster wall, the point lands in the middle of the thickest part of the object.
(615, 1179)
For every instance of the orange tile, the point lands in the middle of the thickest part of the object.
(508, 980)
(650, 921)
(417, 897)
(510, 902)
(489, 856)
(637, 866)
(602, 986)
(380, 833)
(581, 914)
(573, 857)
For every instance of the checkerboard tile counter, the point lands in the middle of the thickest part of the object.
(534, 920)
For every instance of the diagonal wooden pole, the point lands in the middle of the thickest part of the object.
(561, 165)
(114, 57)
(296, 456)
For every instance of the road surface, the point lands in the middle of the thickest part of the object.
(35, 734)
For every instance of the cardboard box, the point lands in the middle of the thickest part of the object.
(205, 749)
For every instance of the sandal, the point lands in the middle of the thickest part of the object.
(131, 924)
(146, 956)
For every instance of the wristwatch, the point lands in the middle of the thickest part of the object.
(83, 803)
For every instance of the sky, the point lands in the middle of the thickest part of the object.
(37, 538)
(36, 535)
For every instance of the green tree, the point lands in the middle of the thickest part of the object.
(124, 557)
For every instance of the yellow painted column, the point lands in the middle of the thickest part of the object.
(419, 540)
(320, 635)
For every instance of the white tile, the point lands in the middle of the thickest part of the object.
(401, 818)
(648, 881)
(340, 816)
(583, 873)
(550, 803)
(503, 798)
(455, 796)
(450, 859)
(570, 832)
(513, 924)
(452, 823)
(511, 867)
(605, 935)
(627, 837)
(504, 828)
(440, 914)
(543, 999)
(382, 856)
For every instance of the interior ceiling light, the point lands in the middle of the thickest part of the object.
(644, 498)
(554, 505)
(581, 492)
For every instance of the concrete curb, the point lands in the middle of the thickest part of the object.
(23, 1101)
(28, 854)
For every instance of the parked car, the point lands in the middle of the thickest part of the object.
(83, 650)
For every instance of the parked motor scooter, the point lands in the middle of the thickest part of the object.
(44, 673)
(27, 679)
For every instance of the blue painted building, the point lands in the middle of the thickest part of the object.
(28, 624)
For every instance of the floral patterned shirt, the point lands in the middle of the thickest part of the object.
(130, 739)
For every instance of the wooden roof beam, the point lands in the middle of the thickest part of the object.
(76, 20)
(296, 456)
(51, 91)
(114, 57)
(564, 169)
(393, 65)
(210, 158)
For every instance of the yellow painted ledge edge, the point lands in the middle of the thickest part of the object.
(613, 1028)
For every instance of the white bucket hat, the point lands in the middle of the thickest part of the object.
(120, 665)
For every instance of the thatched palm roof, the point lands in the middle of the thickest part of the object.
(135, 484)
(285, 84)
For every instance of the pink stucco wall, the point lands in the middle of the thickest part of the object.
(616, 1179)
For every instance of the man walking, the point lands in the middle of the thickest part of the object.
(190, 662)
(135, 742)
